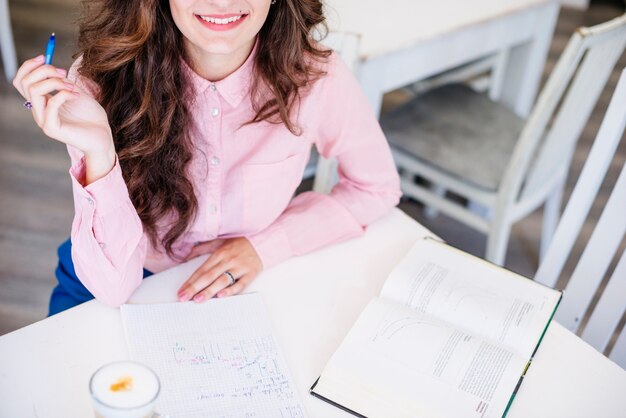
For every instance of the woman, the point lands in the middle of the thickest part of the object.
(189, 124)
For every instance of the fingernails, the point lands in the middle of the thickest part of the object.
(183, 297)
(198, 298)
(69, 85)
(61, 71)
(39, 58)
(221, 294)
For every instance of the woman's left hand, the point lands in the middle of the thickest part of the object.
(234, 255)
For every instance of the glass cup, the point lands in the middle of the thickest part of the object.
(124, 389)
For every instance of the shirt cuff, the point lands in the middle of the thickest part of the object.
(106, 194)
(271, 245)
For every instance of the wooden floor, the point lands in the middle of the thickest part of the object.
(35, 195)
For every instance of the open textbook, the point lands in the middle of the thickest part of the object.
(450, 335)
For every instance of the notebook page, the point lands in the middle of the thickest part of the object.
(397, 362)
(472, 294)
(217, 358)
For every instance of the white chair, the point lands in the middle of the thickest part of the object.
(603, 245)
(325, 169)
(7, 46)
(461, 141)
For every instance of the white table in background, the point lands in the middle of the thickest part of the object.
(312, 301)
(404, 41)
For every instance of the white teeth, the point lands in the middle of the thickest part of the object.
(221, 21)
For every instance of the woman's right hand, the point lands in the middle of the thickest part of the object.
(70, 116)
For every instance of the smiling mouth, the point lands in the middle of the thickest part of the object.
(221, 20)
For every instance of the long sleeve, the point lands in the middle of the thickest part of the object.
(108, 247)
(338, 118)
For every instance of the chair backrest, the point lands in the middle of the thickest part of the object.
(347, 46)
(485, 74)
(542, 155)
(603, 247)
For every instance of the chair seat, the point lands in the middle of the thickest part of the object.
(457, 130)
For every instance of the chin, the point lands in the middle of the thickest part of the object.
(218, 45)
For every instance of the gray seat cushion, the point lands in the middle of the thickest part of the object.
(457, 130)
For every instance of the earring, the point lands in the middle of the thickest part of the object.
(273, 2)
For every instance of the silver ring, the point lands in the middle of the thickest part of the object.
(231, 278)
(28, 105)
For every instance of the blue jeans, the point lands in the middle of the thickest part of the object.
(70, 291)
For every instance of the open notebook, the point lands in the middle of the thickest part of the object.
(215, 359)
(451, 335)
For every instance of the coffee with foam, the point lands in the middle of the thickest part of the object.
(124, 389)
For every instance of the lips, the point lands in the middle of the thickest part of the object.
(222, 21)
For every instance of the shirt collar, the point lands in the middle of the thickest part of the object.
(233, 88)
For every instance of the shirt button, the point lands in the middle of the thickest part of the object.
(213, 209)
(215, 161)
(215, 111)
(212, 87)
(102, 245)
(90, 201)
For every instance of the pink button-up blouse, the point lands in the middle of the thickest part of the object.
(244, 180)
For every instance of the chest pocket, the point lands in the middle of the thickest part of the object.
(268, 189)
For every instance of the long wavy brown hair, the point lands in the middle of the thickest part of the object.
(132, 51)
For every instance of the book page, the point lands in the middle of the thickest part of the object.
(399, 362)
(218, 358)
(472, 294)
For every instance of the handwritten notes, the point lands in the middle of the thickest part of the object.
(217, 359)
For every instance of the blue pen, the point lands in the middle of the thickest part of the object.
(50, 49)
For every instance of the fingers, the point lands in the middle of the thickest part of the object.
(221, 283)
(206, 266)
(35, 81)
(51, 122)
(237, 256)
(39, 95)
(25, 69)
(208, 284)
(239, 285)
(38, 74)
(200, 279)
